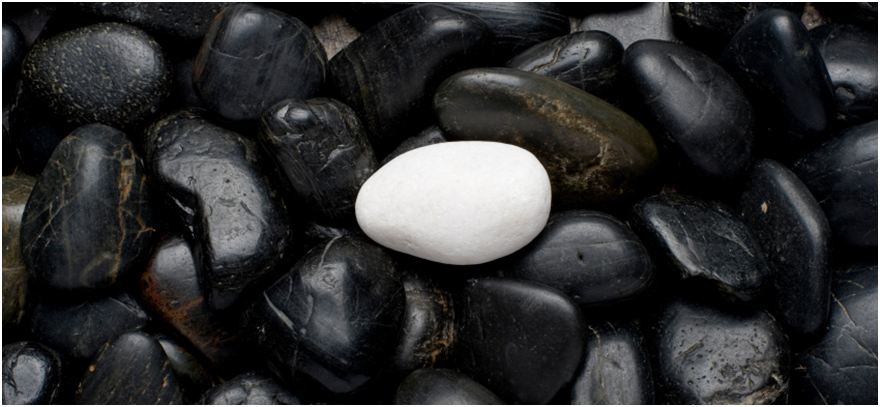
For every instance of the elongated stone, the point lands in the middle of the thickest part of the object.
(590, 256)
(176, 21)
(214, 179)
(442, 386)
(616, 368)
(88, 222)
(794, 235)
(249, 388)
(595, 154)
(850, 55)
(31, 373)
(428, 332)
(407, 56)
(651, 20)
(322, 149)
(253, 57)
(16, 189)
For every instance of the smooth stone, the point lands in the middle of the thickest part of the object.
(521, 340)
(850, 55)
(442, 386)
(709, 356)
(132, 369)
(177, 21)
(782, 73)
(596, 155)
(216, 181)
(455, 203)
(696, 112)
(616, 368)
(34, 131)
(427, 334)
(428, 136)
(322, 149)
(331, 316)
(841, 366)
(590, 256)
(253, 57)
(88, 222)
(193, 378)
(407, 56)
(108, 73)
(13, 52)
(170, 290)
(31, 374)
(589, 60)
(842, 175)
(250, 388)
(647, 21)
(79, 330)
(795, 237)
(16, 190)
(704, 241)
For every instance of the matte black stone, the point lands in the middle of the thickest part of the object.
(322, 149)
(590, 256)
(249, 389)
(31, 373)
(428, 136)
(34, 131)
(696, 112)
(180, 21)
(132, 369)
(253, 57)
(842, 176)
(782, 73)
(428, 328)
(595, 154)
(442, 386)
(13, 52)
(16, 189)
(107, 73)
(616, 368)
(88, 222)
(708, 356)
(407, 56)
(521, 340)
(331, 316)
(795, 238)
(651, 20)
(850, 55)
(702, 240)
(841, 367)
(194, 380)
(214, 179)
(588, 60)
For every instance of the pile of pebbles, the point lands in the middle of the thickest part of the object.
(456, 203)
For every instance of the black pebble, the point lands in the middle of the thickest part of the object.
(616, 369)
(428, 330)
(193, 378)
(171, 21)
(650, 20)
(428, 136)
(31, 373)
(850, 54)
(250, 388)
(13, 52)
(442, 386)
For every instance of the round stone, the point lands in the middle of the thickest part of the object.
(460, 203)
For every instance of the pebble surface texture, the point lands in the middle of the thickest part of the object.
(456, 203)
(32, 374)
(250, 388)
(616, 369)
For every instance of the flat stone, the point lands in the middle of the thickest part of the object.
(650, 20)
(454, 203)
(253, 57)
(590, 256)
(521, 340)
(16, 190)
(428, 332)
(322, 149)
(177, 21)
(428, 136)
(215, 180)
(596, 155)
(442, 386)
(850, 55)
(795, 237)
(250, 388)
(88, 222)
(31, 374)
(616, 368)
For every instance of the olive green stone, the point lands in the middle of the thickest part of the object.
(16, 189)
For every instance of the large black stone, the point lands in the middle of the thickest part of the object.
(427, 333)
(616, 368)
(250, 388)
(88, 222)
(253, 57)
(174, 21)
(214, 178)
(650, 20)
(31, 373)
(442, 386)
(16, 190)
(795, 237)
(850, 55)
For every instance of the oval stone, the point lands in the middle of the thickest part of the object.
(442, 386)
(850, 55)
(32, 374)
(616, 369)
(16, 190)
(595, 154)
(456, 203)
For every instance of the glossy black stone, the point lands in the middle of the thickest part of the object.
(842, 176)
(250, 388)
(34, 131)
(795, 237)
(588, 60)
(841, 367)
(521, 340)
(132, 369)
(850, 55)
(696, 112)
(88, 222)
(13, 52)
(253, 57)
(31, 373)
(192, 377)
(428, 136)
(407, 56)
(322, 149)
(702, 240)
(16, 190)
(442, 386)
(590, 256)
(782, 73)
(215, 180)
(107, 73)
(175, 21)
(709, 356)
(427, 333)
(616, 369)
(331, 316)
(651, 20)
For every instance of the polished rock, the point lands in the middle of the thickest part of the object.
(616, 369)
(31, 374)
(651, 20)
(428, 136)
(250, 388)
(16, 189)
(442, 386)
(428, 330)
(193, 378)
(850, 55)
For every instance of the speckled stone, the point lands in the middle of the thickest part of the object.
(616, 368)
(31, 374)
(442, 386)
(16, 189)
(177, 21)
(250, 388)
